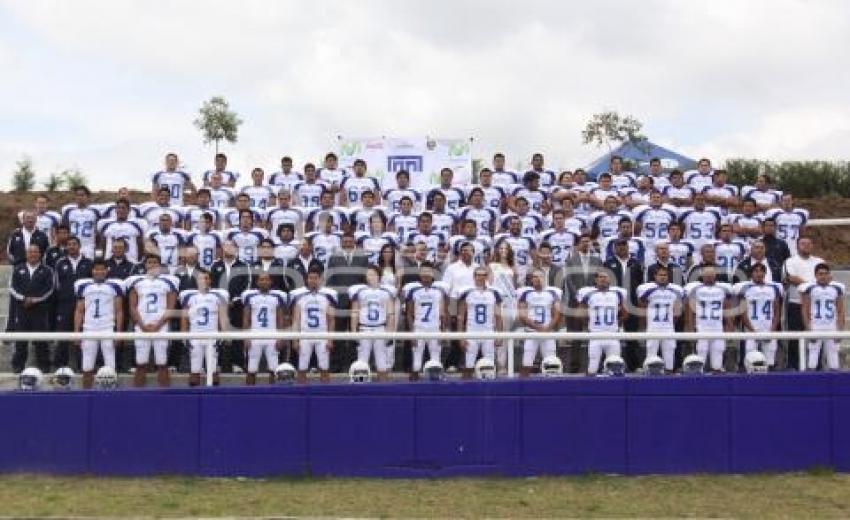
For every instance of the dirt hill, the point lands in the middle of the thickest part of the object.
(833, 242)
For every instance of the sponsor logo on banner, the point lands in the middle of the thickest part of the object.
(411, 163)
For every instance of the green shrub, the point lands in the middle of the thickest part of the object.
(802, 178)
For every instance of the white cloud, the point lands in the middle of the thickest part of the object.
(112, 86)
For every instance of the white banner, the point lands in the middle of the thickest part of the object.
(422, 157)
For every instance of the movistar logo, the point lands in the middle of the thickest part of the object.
(350, 149)
(458, 149)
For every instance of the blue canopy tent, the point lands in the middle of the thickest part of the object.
(639, 154)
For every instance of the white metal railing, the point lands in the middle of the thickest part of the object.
(828, 222)
(509, 337)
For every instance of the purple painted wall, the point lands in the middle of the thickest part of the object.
(775, 422)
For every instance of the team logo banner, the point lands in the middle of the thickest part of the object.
(422, 157)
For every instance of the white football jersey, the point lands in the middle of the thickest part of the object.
(207, 245)
(485, 219)
(203, 308)
(360, 218)
(372, 244)
(275, 217)
(313, 307)
(539, 303)
(660, 303)
(481, 247)
(324, 245)
(99, 298)
(354, 187)
(168, 245)
(222, 197)
(607, 223)
(404, 224)
(433, 242)
(392, 198)
(707, 301)
(285, 181)
(789, 224)
(728, 254)
(128, 230)
(562, 243)
(481, 308)
(152, 212)
(286, 251)
(264, 307)
(82, 223)
(759, 300)
(152, 294)
(654, 222)
(174, 181)
(700, 226)
(308, 194)
(823, 301)
(681, 251)
(259, 196)
(373, 303)
(332, 176)
(762, 197)
(522, 248)
(317, 216)
(603, 307)
(427, 302)
(246, 242)
(193, 214)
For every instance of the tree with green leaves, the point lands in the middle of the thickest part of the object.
(23, 178)
(610, 127)
(54, 182)
(73, 177)
(217, 122)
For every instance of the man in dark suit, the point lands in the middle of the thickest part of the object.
(297, 268)
(23, 237)
(662, 259)
(346, 267)
(187, 277)
(29, 311)
(776, 249)
(267, 263)
(758, 255)
(234, 276)
(579, 271)
(70, 268)
(54, 253)
(552, 275)
(411, 262)
(628, 274)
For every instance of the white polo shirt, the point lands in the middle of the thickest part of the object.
(802, 267)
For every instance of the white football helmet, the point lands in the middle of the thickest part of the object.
(30, 379)
(551, 366)
(63, 379)
(106, 378)
(433, 370)
(653, 366)
(693, 365)
(284, 374)
(755, 362)
(359, 372)
(615, 366)
(485, 369)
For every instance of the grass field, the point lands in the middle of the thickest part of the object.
(763, 496)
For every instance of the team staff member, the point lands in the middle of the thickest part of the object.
(70, 268)
(29, 311)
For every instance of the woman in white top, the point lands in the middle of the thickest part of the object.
(503, 278)
(387, 267)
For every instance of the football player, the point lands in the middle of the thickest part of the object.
(539, 312)
(604, 307)
(479, 310)
(313, 311)
(263, 311)
(823, 310)
(100, 308)
(204, 310)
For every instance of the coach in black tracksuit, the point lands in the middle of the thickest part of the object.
(29, 310)
(23, 237)
(69, 268)
(234, 276)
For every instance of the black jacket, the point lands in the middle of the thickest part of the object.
(744, 270)
(296, 273)
(628, 280)
(66, 275)
(776, 249)
(276, 269)
(16, 250)
(122, 270)
(187, 282)
(237, 283)
(39, 286)
(53, 254)
(677, 276)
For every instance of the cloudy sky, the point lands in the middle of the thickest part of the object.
(110, 86)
